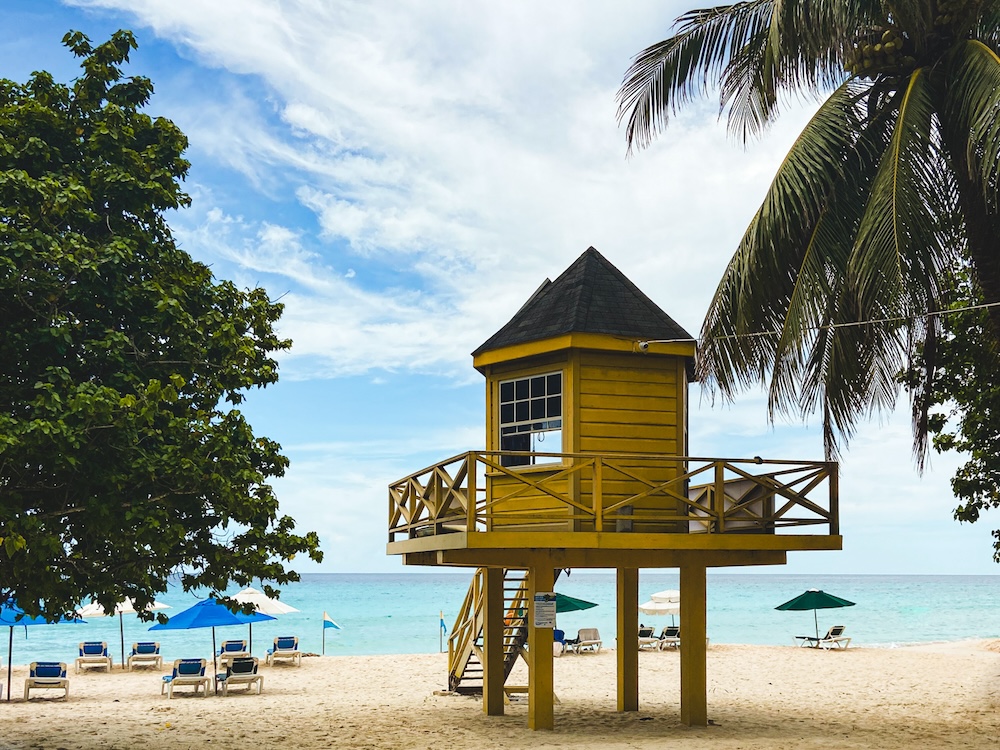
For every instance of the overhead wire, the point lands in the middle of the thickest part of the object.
(832, 326)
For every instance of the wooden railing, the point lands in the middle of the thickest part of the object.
(465, 644)
(615, 493)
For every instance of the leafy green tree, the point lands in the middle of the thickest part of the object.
(124, 459)
(892, 182)
(964, 401)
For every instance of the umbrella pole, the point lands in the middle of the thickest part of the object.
(816, 623)
(121, 631)
(251, 636)
(215, 668)
(10, 650)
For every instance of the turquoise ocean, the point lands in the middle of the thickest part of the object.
(399, 613)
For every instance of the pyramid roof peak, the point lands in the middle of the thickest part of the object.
(590, 296)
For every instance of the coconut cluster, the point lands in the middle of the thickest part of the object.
(881, 50)
(949, 11)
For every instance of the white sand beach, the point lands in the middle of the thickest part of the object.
(931, 696)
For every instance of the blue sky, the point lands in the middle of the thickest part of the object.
(404, 175)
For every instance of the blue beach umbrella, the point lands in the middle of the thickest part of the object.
(13, 616)
(209, 613)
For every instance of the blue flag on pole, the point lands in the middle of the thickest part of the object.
(328, 622)
(444, 628)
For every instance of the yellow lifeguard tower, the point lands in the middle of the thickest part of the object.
(586, 466)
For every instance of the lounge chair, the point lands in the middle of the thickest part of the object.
(558, 642)
(241, 671)
(93, 654)
(189, 672)
(647, 641)
(45, 675)
(285, 647)
(587, 639)
(232, 650)
(670, 637)
(144, 653)
(834, 639)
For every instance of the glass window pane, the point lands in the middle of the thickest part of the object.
(554, 384)
(521, 388)
(506, 413)
(521, 411)
(507, 391)
(515, 460)
(538, 386)
(537, 408)
(553, 406)
(515, 443)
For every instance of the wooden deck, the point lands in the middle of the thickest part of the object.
(615, 502)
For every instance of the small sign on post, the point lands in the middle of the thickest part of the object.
(545, 610)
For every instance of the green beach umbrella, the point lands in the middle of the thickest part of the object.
(571, 603)
(814, 599)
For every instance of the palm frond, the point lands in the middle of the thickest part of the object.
(677, 70)
(748, 314)
(898, 254)
(924, 339)
(988, 29)
(974, 100)
(760, 50)
(817, 299)
(851, 370)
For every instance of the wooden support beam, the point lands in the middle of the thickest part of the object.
(493, 628)
(541, 578)
(614, 542)
(627, 647)
(591, 558)
(694, 682)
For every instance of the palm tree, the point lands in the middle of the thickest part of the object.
(891, 186)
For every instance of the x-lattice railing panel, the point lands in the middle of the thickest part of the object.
(477, 492)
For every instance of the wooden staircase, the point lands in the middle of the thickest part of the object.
(465, 644)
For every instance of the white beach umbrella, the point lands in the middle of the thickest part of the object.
(670, 595)
(126, 607)
(263, 603)
(666, 602)
(653, 607)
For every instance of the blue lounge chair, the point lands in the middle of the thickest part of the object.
(232, 650)
(190, 672)
(241, 671)
(285, 647)
(558, 642)
(93, 654)
(45, 675)
(145, 653)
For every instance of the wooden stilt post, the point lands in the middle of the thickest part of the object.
(493, 628)
(627, 646)
(694, 683)
(541, 578)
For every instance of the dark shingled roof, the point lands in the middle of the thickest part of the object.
(591, 296)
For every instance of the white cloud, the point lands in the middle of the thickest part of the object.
(450, 157)
(475, 150)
